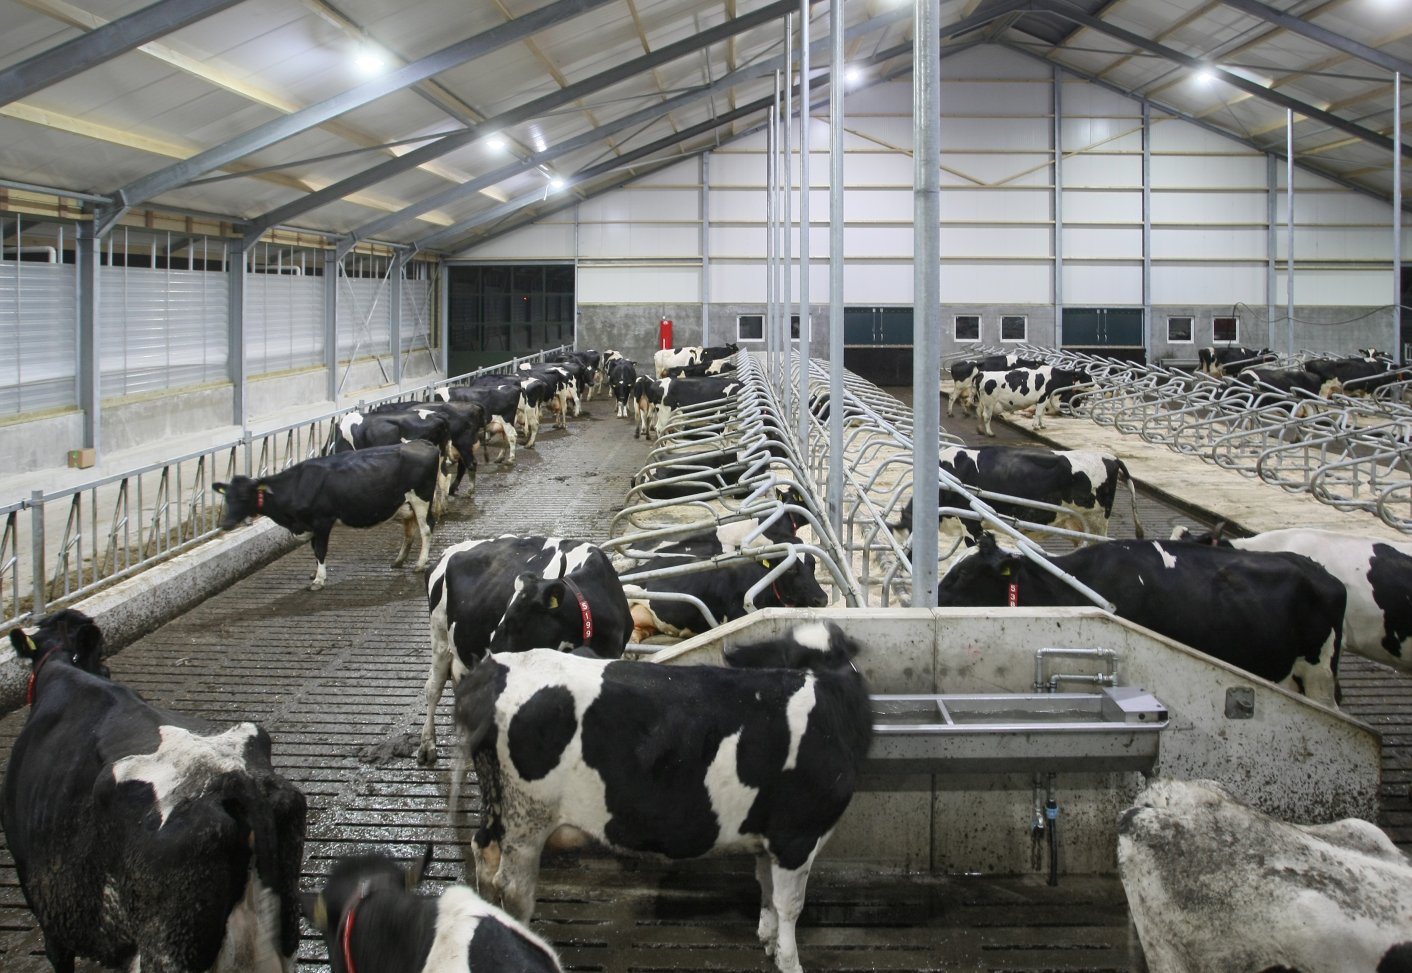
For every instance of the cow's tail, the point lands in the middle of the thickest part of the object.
(1123, 474)
(262, 932)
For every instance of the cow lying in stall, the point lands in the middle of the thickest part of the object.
(363, 488)
(682, 761)
(1214, 886)
(142, 837)
(1083, 481)
(1044, 388)
(1277, 616)
(1230, 360)
(1376, 574)
(509, 593)
(372, 920)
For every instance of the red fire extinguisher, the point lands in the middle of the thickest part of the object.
(664, 334)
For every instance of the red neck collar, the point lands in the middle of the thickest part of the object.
(347, 937)
(585, 612)
(34, 674)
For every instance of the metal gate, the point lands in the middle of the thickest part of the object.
(1114, 332)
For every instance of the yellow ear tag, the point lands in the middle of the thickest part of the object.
(320, 914)
(30, 642)
(765, 563)
(1005, 571)
(553, 603)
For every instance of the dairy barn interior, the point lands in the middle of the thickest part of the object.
(234, 233)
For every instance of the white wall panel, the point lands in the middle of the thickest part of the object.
(1197, 283)
(996, 134)
(39, 328)
(737, 205)
(874, 241)
(1102, 171)
(1105, 242)
(988, 283)
(1208, 171)
(1335, 242)
(737, 282)
(639, 285)
(1018, 242)
(734, 242)
(1010, 206)
(878, 283)
(1336, 287)
(1010, 169)
(988, 62)
(1330, 205)
(645, 205)
(629, 239)
(1208, 242)
(1208, 208)
(878, 205)
(1105, 134)
(737, 169)
(539, 241)
(1102, 284)
(1175, 135)
(687, 173)
(1103, 207)
(996, 97)
(1082, 98)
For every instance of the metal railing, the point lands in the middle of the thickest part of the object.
(60, 546)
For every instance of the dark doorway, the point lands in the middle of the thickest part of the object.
(498, 312)
(1400, 320)
(1116, 332)
(877, 343)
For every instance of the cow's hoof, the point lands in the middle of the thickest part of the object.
(316, 586)
(426, 754)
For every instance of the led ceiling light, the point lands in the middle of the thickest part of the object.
(496, 143)
(1205, 74)
(852, 74)
(369, 59)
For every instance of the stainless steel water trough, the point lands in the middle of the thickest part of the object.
(1116, 730)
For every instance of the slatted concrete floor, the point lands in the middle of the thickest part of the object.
(337, 677)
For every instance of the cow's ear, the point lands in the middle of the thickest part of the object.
(24, 645)
(264, 488)
(552, 595)
(219, 488)
(315, 909)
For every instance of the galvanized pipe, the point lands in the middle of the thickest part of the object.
(805, 326)
(837, 86)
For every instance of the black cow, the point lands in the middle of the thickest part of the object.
(371, 920)
(1083, 481)
(1043, 387)
(453, 427)
(502, 398)
(1376, 574)
(682, 761)
(1358, 376)
(142, 836)
(721, 588)
(1230, 360)
(510, 593)
(622, 376)
(1276, 615)
(679, 393)
(358, 489)
(1294, 382)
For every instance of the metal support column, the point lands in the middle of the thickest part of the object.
(88, 249)
(235, 332)
(705, 250)
(834, 499)
(805, 331)
(443, 311)
(331, 265)
(1272, 246)
(786, 292)
(394, 312)
(1058, 85)
(772, 337)
(1148, 325)
(1397, 217)
(926, 288)
(1289, 232)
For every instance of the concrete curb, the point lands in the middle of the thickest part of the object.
(129, 610)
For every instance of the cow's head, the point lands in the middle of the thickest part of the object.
(244, 499)
(982, 578)
(820, 645)
(349, 882)
(543, 613)
(70, 633)
(797, 586)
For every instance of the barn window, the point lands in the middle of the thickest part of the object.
(1013, 327)
(968, 327)
(750, 327)
(1179, 330)
(1225, 329)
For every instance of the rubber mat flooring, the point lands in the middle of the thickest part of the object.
(337, 677)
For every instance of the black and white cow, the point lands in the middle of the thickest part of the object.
(681, 393)
(1215, 886)
(503, 399)
(1358, 375)
(1296, 382)
(1377, 575)
(721, 588)
(1278, 616)
(564, 379)
(717, 367)
(962, 372)
(647, 400)
(1230, 360)
(510, 593)
(759, 757)
(145, 838)
(454, 427)
(622, 376)
(1082, 481)
(1043, 387)
(358, 489)
(372, 920)
(668, 358)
